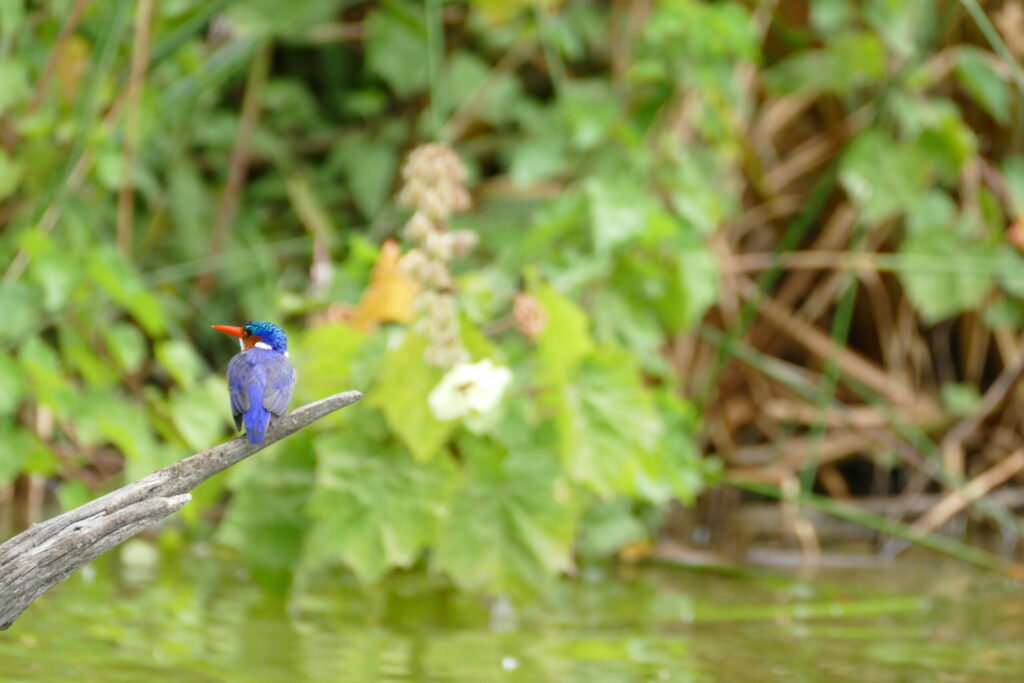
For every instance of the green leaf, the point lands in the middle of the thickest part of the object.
(849, 62)
(858, 59)
(15, 445)
(942, 141)
(882, 176)
(946, 143)
(181, 361)
(537, 158)
(975, 73)
(1013, 174)
(126, 344)
(12, 19)
(565, 340)
(293, 20)
(934, 208)
(43, 368)
(619, 211)
(401, 394)
(323, 357)
(373, 507)
(467, 77)
(121, 281)
(369, 166)
(700, 32)
(698, 189)
(1004, 312)
(512, 520)
(14, 83)
(200, 414)
(189, 204)
(960, 399)
(943, 270)
(608, 526)
(683, 469)
(13, 381)
(58, 274)
(72, 493)
(396, 50)
(126, 425)
(80, 354)
(832, 16)
(20, 315)
(463, 75)
(609, 429)
(11, 174)
(635, 327)
(556, 220)
(589, 108)
(1010, 270)
(698, 278)
(266, 518)
(308, 205)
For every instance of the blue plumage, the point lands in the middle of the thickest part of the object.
(260, 377)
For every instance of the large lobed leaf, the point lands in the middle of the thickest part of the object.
(401, 394)
(512, 520)
(374, 507)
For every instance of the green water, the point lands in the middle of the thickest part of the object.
(201, 618)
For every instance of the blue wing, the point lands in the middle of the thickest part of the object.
(280, 377)
(238, 379)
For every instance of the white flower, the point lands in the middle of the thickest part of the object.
(471, 391)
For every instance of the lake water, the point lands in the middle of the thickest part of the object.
(130, 617)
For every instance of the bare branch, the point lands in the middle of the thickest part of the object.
(47, 553)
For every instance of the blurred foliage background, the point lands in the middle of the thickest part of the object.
(766, 243)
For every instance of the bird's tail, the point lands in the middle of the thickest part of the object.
(256, 420)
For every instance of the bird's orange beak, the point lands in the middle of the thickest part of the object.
(230, 329)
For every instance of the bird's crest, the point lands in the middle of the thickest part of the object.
(263, 334)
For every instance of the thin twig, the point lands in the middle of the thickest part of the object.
(66, 31)
(140, 58)
(850, 362)
(455, 127)
(238, 164)
(952, 443)
(957, 500)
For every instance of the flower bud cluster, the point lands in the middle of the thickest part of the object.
(435, 182)
(435, 188)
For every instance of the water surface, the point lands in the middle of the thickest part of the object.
(130, 617)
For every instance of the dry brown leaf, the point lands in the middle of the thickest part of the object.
(70, 66)
(635, 551)
(1010, 20)
(1015, 234)
(390, 294)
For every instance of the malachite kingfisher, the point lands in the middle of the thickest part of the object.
(260, 376)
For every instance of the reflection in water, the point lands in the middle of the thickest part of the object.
(201, 619)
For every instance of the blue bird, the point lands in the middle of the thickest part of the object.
(260, 377)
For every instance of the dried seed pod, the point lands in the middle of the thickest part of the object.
(529, 315)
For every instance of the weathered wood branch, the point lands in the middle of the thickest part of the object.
(47, 553)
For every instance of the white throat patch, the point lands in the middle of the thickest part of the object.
(258, 345)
